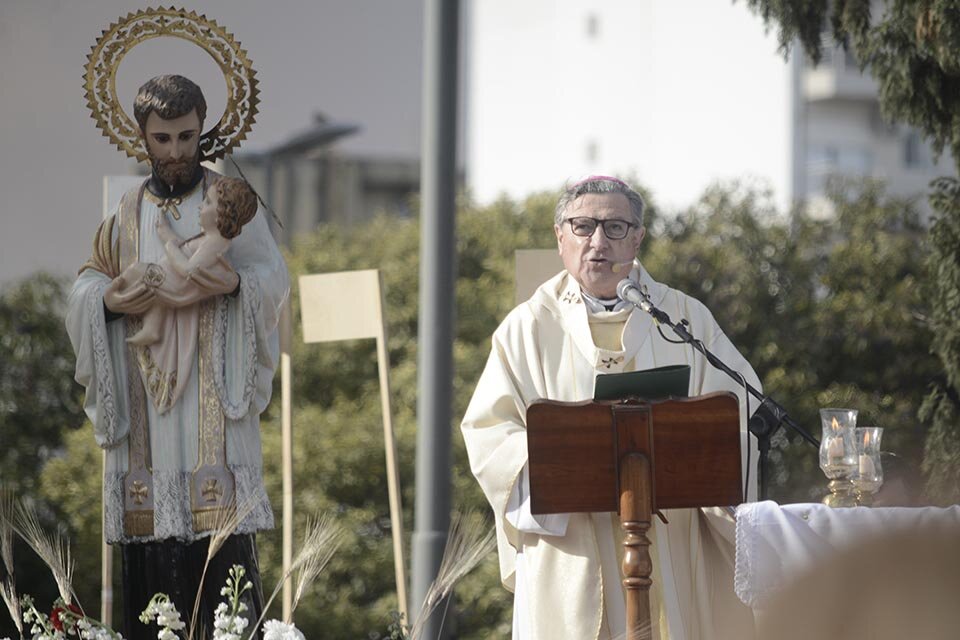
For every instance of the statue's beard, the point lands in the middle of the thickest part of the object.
(176, 172)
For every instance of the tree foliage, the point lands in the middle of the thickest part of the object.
(38, 397)
(828, 312)
(942, 407)
(40, 404)
(912, 49)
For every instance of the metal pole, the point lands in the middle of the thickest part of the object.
(437, 278)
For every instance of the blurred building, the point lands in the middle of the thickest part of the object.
(838, 130)
(310, 179)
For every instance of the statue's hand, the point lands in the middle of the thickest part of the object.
(166, 233)
(122, 297)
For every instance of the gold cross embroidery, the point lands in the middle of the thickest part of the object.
(571, 298)
(211, 490)
(169, 205)
(609, 362)
(139, 492)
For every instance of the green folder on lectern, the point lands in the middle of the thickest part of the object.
(649, 384)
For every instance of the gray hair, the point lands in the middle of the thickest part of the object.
(600, 184)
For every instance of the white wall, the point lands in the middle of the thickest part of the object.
(678, 92)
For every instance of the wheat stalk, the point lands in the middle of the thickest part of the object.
(320, 543)
(7, 510)
(641, 632)
(8, 590)
(52, 549)
(469, 541)
(226, 523)
(9, 594)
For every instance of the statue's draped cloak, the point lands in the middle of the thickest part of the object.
(239, 350)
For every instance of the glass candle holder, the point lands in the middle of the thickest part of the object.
(838, 455)
(869, 477)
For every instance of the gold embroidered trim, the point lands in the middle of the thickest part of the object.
(609, 362)
(139, 492)
(160, 385)
(212, 486)
(154, 275)
(170, 205)
(138, 481)
(209, 519)
(138, 523)
(106, 253)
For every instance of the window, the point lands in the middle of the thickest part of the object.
(593, 26)
(916, 154)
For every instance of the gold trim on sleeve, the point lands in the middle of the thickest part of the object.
(106, 253)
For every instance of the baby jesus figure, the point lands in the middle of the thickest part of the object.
(229, 204)
(167, 341)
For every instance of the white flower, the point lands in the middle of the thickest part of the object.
(85, 629)
(166, 634)
(276, 630)
(227, 626)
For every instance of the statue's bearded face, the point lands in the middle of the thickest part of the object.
(173, 146)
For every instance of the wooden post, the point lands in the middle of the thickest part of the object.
(286, 445)
(635, 498)
(323, 322)
(393, 474)
(286, 456)
(106, 565)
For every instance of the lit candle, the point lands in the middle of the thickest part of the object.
(867, 469)
(835, 447)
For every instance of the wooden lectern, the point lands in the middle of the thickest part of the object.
(635, 458)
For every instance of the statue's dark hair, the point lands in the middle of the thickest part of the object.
(169, 97)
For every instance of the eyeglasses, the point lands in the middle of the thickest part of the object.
(613, 228)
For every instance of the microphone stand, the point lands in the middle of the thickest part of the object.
(769, 415)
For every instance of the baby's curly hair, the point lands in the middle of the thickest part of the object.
(236, 205)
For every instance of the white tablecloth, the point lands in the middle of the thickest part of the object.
(776, 544)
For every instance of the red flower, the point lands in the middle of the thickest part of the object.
(55, 615)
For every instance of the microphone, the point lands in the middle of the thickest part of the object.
(628, 291)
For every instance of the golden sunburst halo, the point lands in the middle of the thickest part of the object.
(100, 78)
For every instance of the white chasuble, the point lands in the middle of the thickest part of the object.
(565, 570)
(227, 380)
